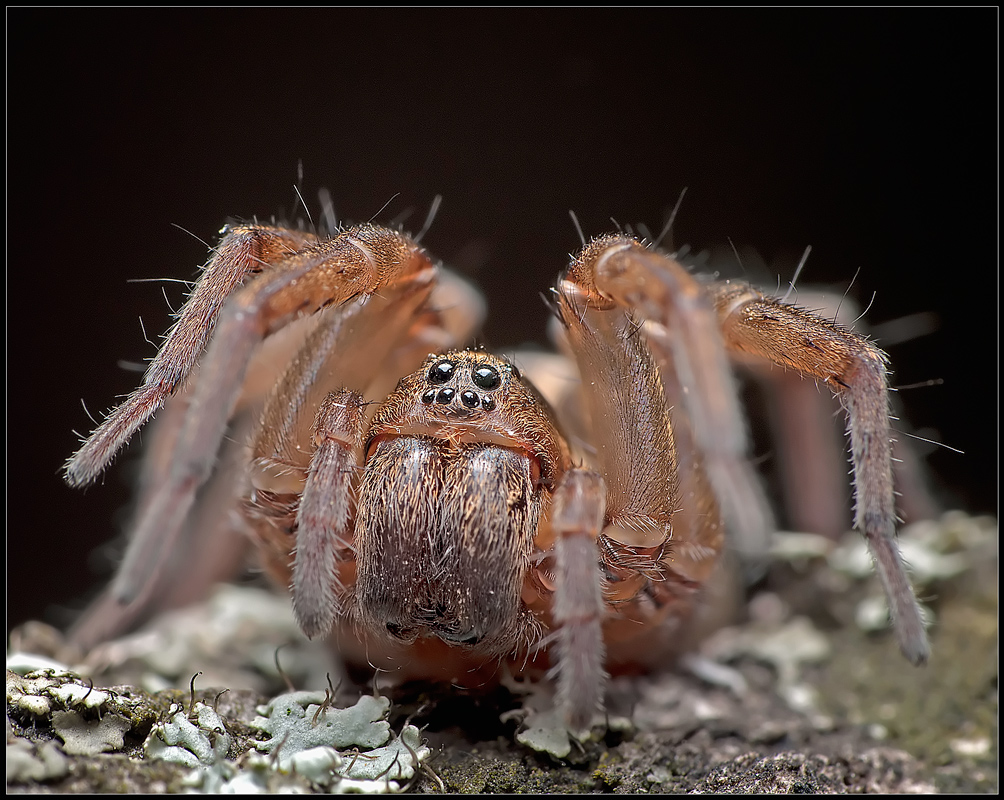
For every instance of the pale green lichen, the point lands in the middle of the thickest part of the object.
(317, 768)
(88, 719)
(797, 548)
(83, 737)
(298, 722)
(542, 725)
(545, 732)
(193, 739)
(304, 749)
(788, 647)
(397, 761)
(27, 762)
(23, 663)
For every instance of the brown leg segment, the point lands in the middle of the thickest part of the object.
(360, 261)
(340, 353)
(688, 327)
(855, 370)
(323, 521)
(810, 452)
(577, 516)
(681, 330)
(629, 417)
(244, 251)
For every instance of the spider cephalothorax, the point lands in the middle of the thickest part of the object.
(446, 519)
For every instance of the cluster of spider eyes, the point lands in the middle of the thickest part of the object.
(484, 377)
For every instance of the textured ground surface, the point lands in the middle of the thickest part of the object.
(798, 698)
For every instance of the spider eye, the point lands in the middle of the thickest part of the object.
(486, 378)
(441, 372)
(469, 399)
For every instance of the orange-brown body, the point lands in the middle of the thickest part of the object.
(650, 589)
(436, 512)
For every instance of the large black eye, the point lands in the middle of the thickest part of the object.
(469, 399)
(486, 377)
(441, 372)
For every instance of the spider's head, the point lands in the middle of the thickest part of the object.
(467, 396)
(459, 384)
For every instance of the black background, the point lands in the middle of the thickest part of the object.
(871, 135)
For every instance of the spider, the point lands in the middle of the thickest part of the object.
(445, 520)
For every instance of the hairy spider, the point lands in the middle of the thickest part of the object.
(444, 520)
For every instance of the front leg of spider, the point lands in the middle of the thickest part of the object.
(612, 525)
(356, 264)
(244, 251)
(577, 516)
(324, 518)
(689, 329)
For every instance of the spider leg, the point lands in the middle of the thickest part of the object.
(613, 526)
(577, 515)
(682, 333)
(810, 445)
(366, 347)
(360, 263)
(243, 251)
(211, 546)
(856, 371)
(339, 353)
(323, 519)
(294, 451)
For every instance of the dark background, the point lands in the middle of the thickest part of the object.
(870, 135)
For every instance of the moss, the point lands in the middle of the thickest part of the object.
(484, 776)
(928, 711)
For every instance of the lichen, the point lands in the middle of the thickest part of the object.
(30, 763)
(196, 738)
(83, 737)
(87, 718)
(297, 721)
(304, 749)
